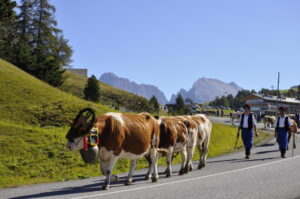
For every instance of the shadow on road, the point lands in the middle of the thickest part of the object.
(264, 152)
(97, 186)
(267, 145)
(236, 160)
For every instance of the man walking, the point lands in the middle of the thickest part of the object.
(247, 124)
(282, 131)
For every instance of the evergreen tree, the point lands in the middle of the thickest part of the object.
(188, 101)
(42, 50)
(8, 27)
(92, 89)
(179, 102)
(154, 103)
(298, 91)
(25, 58)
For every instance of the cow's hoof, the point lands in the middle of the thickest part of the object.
(154, 179)
(181, 172)
(191, 168)
(117, 179)
(186, 170)
(105, 187)
(168, 174)
(128, 182)
(147, 177)
(202, 165)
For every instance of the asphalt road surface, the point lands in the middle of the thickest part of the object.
(265, 175)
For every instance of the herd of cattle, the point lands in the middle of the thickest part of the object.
(133, 136)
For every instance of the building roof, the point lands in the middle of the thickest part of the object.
(274, 98)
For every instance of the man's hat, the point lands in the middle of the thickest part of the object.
(282, 108)
(247, 106)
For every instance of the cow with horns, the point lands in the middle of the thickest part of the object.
(121, 135)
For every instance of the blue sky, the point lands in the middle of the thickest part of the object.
(172, 43)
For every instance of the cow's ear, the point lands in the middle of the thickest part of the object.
(70, 122)
(156, 117)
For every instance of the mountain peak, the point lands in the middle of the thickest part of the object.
(144, 90)
(207, 89)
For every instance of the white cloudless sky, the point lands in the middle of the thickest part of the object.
(172, 43)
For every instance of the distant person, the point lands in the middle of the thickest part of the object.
(218, 113)
(222, 113)
(259, 117)
(282, 131)
(297, 119)
(247, 124)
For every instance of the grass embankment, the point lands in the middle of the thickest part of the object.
(32, 143)
(32, 132)
(74, 84)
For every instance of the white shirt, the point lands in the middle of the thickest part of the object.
(245, 123)
(282, 121)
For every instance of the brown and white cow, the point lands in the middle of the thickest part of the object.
(192, 139)
(174, 139)
(293, 132)
(121, 135)
(269, 121)
(203, 138)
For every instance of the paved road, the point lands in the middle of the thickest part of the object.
(265, 175)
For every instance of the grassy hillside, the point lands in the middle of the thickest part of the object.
(74, 84)
(25, 99)
(33, 119)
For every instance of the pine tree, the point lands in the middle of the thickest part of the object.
(154, 103)
(92, 89)
(298, 91)
(24, 56)
(8, 27)
(179, 102)
(42, 50)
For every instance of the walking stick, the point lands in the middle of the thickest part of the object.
(237, 139)
(294, 144)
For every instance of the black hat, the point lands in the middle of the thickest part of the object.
(282, 108)
(247, 106)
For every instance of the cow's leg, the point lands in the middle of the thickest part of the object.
(190, 153)
(103, 168)
(154, 157)
(150, 168)
(183, 160)
(201, 153)
(205, 152)
(111, 163)
(128, 181)
(169, 162)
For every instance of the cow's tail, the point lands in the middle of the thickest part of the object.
(163, 151)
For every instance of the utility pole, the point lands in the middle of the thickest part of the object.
(278, 81)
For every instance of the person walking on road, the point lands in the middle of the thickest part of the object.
(282, 131)
(247, 124)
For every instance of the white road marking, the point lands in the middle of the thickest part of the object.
(187, 180)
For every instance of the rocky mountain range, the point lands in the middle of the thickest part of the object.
(207, 89)
(143, 90)
(203, 90)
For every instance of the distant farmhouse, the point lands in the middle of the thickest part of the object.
(79, 71)
(267, 104)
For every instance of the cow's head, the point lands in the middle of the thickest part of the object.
(80, 126)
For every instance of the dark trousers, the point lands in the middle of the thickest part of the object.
(247, 137)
